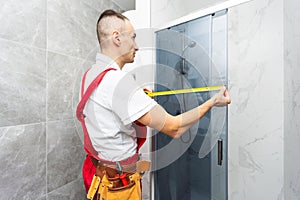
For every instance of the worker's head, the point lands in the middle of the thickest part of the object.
(116, 37)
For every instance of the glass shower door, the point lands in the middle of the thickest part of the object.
(194, 166)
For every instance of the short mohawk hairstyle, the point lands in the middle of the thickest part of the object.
(109, 13)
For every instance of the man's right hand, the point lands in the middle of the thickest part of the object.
(222, 98)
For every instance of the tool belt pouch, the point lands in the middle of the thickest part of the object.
(111, 189)
(131, 191)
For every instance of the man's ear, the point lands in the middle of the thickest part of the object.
(116, 38)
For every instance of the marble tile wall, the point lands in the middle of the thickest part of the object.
(24, 22)
(23, 84)
(292, 99)
(23, 162)
(45, 46)
(256, 114)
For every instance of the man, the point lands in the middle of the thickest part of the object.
(118, 102)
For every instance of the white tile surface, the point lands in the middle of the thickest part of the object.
(255, 45)
(292, 99)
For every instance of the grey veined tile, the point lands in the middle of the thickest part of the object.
(65, 154)
(23, 162)
(72, 28)
(63, 85)
(102, 5)
(24, 21)
(23, 84)
(72, 191)
(75, 100)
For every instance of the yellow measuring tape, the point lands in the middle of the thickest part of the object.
(183, 91)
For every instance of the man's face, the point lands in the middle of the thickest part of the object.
(129, 46)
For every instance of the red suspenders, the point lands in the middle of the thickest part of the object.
(79, 112)
(140, 129)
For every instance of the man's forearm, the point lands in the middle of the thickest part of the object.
(175, 126)
(190, 117)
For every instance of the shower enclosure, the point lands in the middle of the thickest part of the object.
(194, 166)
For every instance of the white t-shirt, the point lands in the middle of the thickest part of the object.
(111, 109)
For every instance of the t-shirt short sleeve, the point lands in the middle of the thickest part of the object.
(129, 101)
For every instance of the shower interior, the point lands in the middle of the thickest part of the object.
(194, 166)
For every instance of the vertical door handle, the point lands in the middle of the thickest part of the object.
(220, 152)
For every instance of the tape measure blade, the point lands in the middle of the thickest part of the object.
(183, 91)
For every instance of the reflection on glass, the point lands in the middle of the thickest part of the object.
(192, 54)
